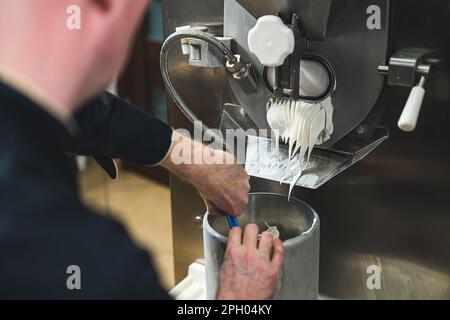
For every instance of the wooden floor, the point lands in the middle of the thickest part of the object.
(142, 205)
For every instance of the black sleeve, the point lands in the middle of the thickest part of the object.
(51, 232)
(112, 128)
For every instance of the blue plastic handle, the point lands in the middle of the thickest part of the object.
(232, 222)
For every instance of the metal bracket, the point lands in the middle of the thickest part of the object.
(202, 55)
(294, 62)
(406, 67)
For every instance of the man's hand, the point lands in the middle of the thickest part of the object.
(223, 186)
(250, 271)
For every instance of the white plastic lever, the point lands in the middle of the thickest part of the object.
(410, 114)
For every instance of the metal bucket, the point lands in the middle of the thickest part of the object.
(299, 229)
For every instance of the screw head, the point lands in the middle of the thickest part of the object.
(198, 221)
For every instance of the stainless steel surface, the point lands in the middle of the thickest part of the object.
(299, 229)
(382, 219)
(422, 69)
(235, 117)
(264, 160)
(391, 209)
(207, 102)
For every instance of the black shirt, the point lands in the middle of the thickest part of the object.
(44, 226)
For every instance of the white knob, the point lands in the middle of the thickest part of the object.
(410, 114)
(271, 41)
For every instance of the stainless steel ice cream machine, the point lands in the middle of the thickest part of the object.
(342, 104)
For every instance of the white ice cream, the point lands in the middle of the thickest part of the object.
(302, 125)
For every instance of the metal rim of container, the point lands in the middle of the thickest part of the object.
(303, 235)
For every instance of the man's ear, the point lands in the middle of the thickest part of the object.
(117, 7)
(103, 5)
(112, 25)
(115, 18)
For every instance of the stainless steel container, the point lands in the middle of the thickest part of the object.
(299, 229)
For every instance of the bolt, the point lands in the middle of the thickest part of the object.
(199, 221)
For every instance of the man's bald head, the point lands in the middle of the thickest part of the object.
(38, 42)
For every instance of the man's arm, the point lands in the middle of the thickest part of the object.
(112, 128)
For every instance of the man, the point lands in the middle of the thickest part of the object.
(46, 72)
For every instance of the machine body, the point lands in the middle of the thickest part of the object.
(388, 213)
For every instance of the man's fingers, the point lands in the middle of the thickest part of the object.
(278, 254)
(266, 244)
(235, 236)
(251, 235)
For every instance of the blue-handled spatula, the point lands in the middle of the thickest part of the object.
(232, 222)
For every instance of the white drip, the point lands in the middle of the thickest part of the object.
(302, 125)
